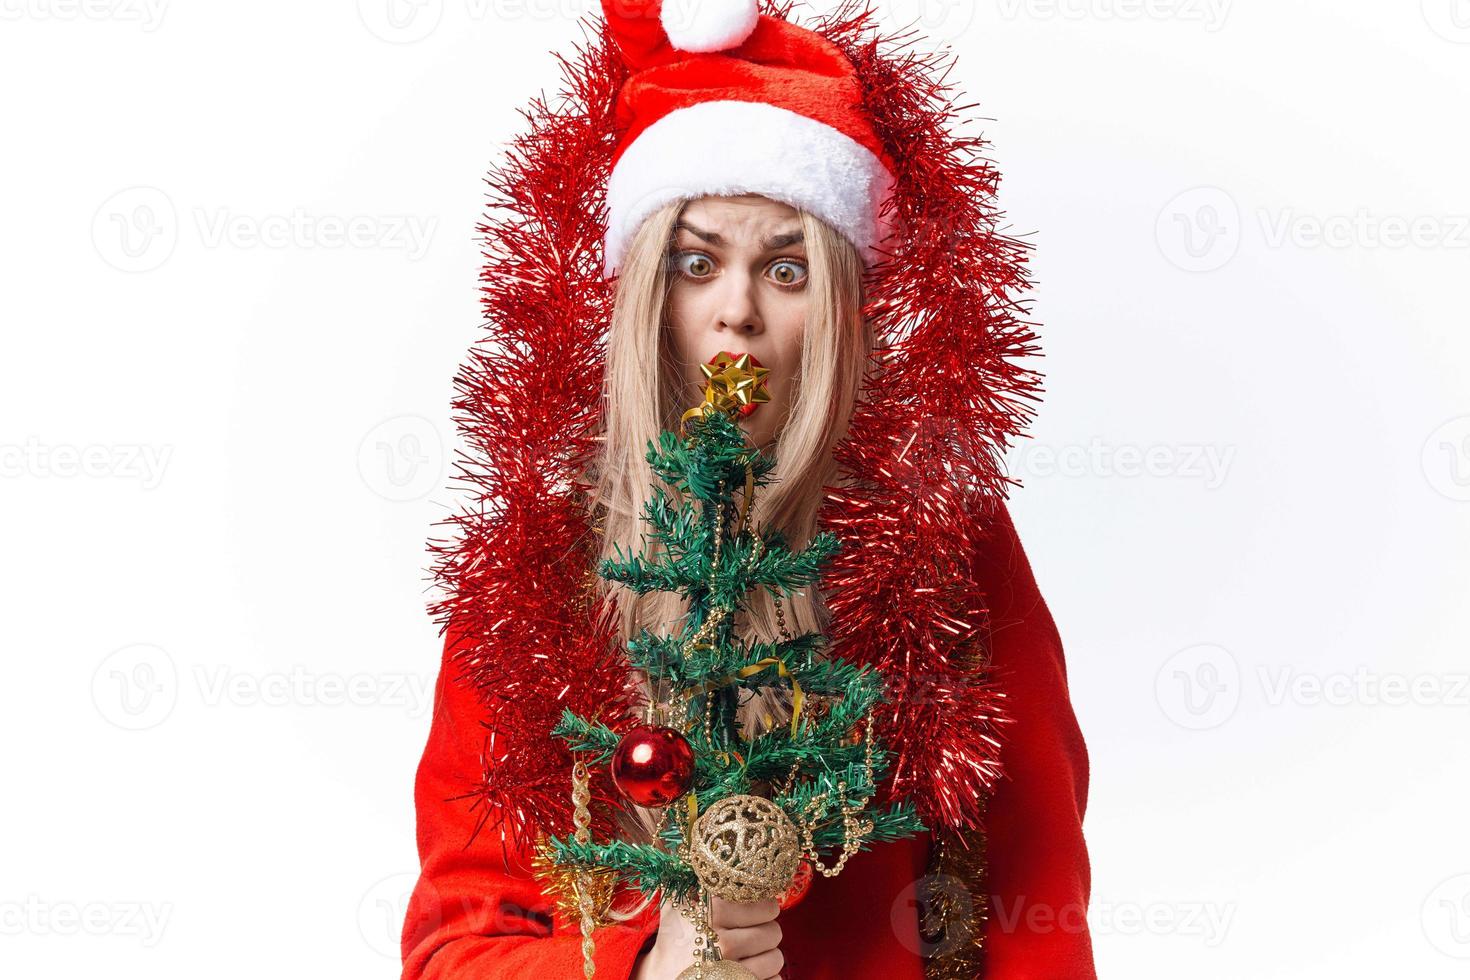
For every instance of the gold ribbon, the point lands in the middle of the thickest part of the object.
(781, 671)
(752, 669)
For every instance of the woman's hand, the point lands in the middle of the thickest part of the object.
(748, 933)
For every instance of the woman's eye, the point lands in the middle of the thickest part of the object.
(788, 272)
(695, 265)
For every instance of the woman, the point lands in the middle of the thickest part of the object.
(718, 258)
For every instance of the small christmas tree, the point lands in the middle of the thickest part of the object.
(745, 819)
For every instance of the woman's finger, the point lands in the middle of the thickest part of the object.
(737, 944)
(736, 915)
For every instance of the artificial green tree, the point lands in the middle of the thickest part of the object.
(820, 770)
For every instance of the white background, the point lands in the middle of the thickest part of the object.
(224, 434)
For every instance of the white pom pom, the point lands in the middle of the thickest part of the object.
(708, 25)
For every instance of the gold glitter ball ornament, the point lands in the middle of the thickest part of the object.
(718, 970)
(745, 849)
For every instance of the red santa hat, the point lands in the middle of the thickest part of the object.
(724, 100)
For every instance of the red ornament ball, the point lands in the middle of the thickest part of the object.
(801, 883)
(653, 765)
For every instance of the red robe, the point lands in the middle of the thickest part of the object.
(472, 919)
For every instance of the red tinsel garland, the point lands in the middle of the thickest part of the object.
(926, 443)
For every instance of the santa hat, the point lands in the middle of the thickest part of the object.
(724, 100)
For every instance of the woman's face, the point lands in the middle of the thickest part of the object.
(739, 284)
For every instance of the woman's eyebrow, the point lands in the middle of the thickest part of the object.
(709, 236)
(714, 238)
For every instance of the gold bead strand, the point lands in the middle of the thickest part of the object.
(780, 616)
(582, 820)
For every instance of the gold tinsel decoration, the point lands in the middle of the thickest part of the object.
(955, 909)
(745, 849)
(956, 918)
(559, 883)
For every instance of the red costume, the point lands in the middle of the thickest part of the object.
(472, 919)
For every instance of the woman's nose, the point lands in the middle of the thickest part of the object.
(738, 308)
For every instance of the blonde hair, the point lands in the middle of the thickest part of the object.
(642, 385)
